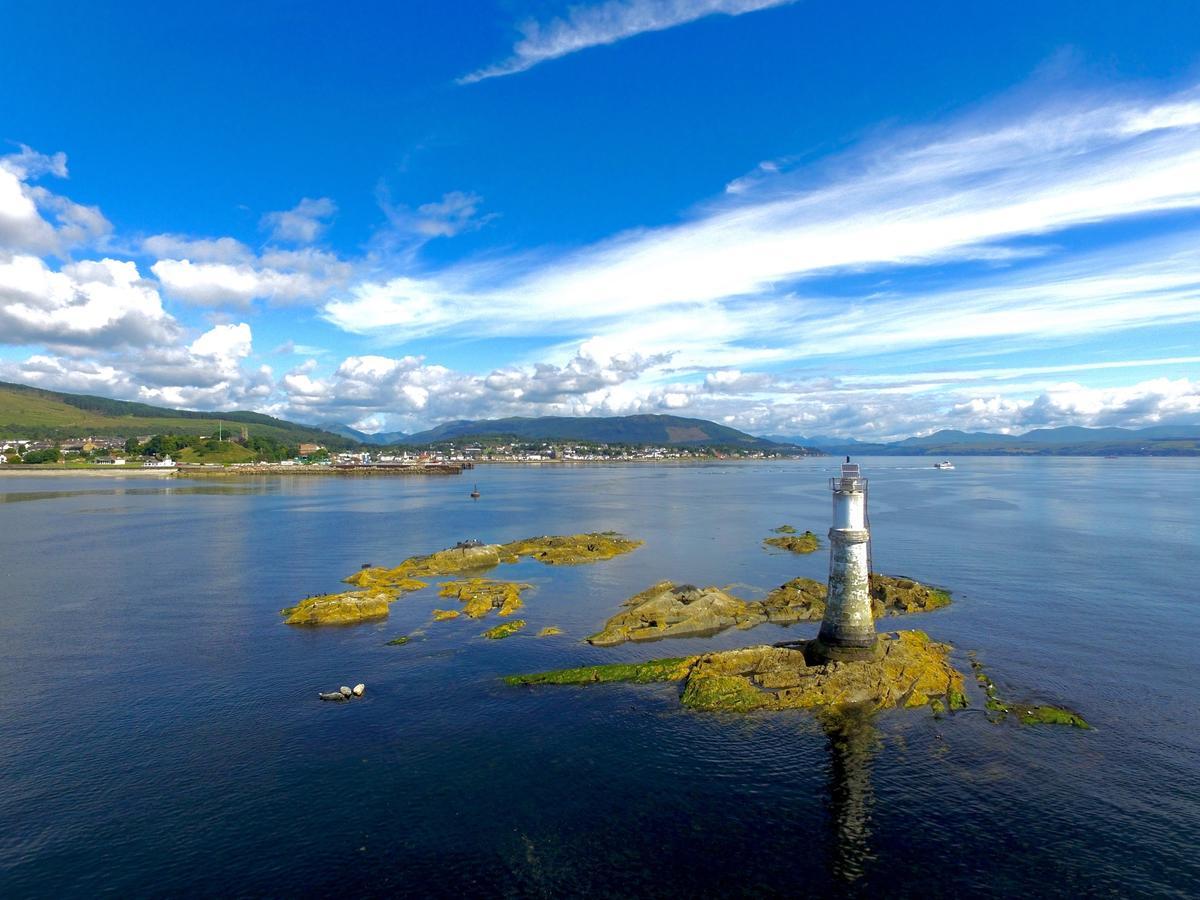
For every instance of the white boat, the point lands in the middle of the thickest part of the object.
(944, 464)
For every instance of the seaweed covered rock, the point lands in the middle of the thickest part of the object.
(339, 609)
(407, 576)
(471, 556)
(798, 600)
(505, 629)
(550, 631)
(675, 669)
(910, 670)
(481, 596)
(670, 610)
(795, 543)
(571, 549)
(892, 595)
(441, 615)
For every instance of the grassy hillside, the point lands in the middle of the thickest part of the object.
(27, 412)
(224, 453)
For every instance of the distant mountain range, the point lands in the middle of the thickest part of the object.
(1071, 440)
(29, 412)
(382, 438)
(641, 429)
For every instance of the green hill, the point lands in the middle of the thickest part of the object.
(642, 429)
(27, 412)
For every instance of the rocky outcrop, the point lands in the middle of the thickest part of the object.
(480, 596)
(339, 609)
(795, 543)
(549, 631)
(897, 595)
(379, 586)
(668, 610)
(504, 630)
(569, 550)
(344, 693)
(910, 670)
(407, 576)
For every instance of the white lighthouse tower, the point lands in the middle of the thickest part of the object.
(848, 628)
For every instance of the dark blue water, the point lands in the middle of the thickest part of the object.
(160, 732)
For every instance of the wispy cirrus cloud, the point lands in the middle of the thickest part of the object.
(987, 190)
(606, 23)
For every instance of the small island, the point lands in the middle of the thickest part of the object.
(667, 610)
(909, 670)
(377, 587)
(789, 539)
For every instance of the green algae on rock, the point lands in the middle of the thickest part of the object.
(569, 550)
(441, 615)
(399, 641)
(339, 609)
(1024, 713)
(675, 669)
(795, 543)
(785, 529)
(481, 596)
(909, 671)
(549, 631)
(504, 629)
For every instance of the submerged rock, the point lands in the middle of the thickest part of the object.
(1023, 713)
(675, 669)
(910, 670)
(785, 529)
(504, 630)
(481, 596)
(669, 610)
(340, 609)
(796, 543)
(399, 641)
(549, 631)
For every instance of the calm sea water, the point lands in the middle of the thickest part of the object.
(160, 732)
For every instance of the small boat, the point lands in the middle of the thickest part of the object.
(944, 464)
(475, 492)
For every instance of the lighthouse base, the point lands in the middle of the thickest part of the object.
(819, 651)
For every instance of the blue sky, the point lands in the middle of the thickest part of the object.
(863, 219)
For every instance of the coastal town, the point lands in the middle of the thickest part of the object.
(167, 452)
